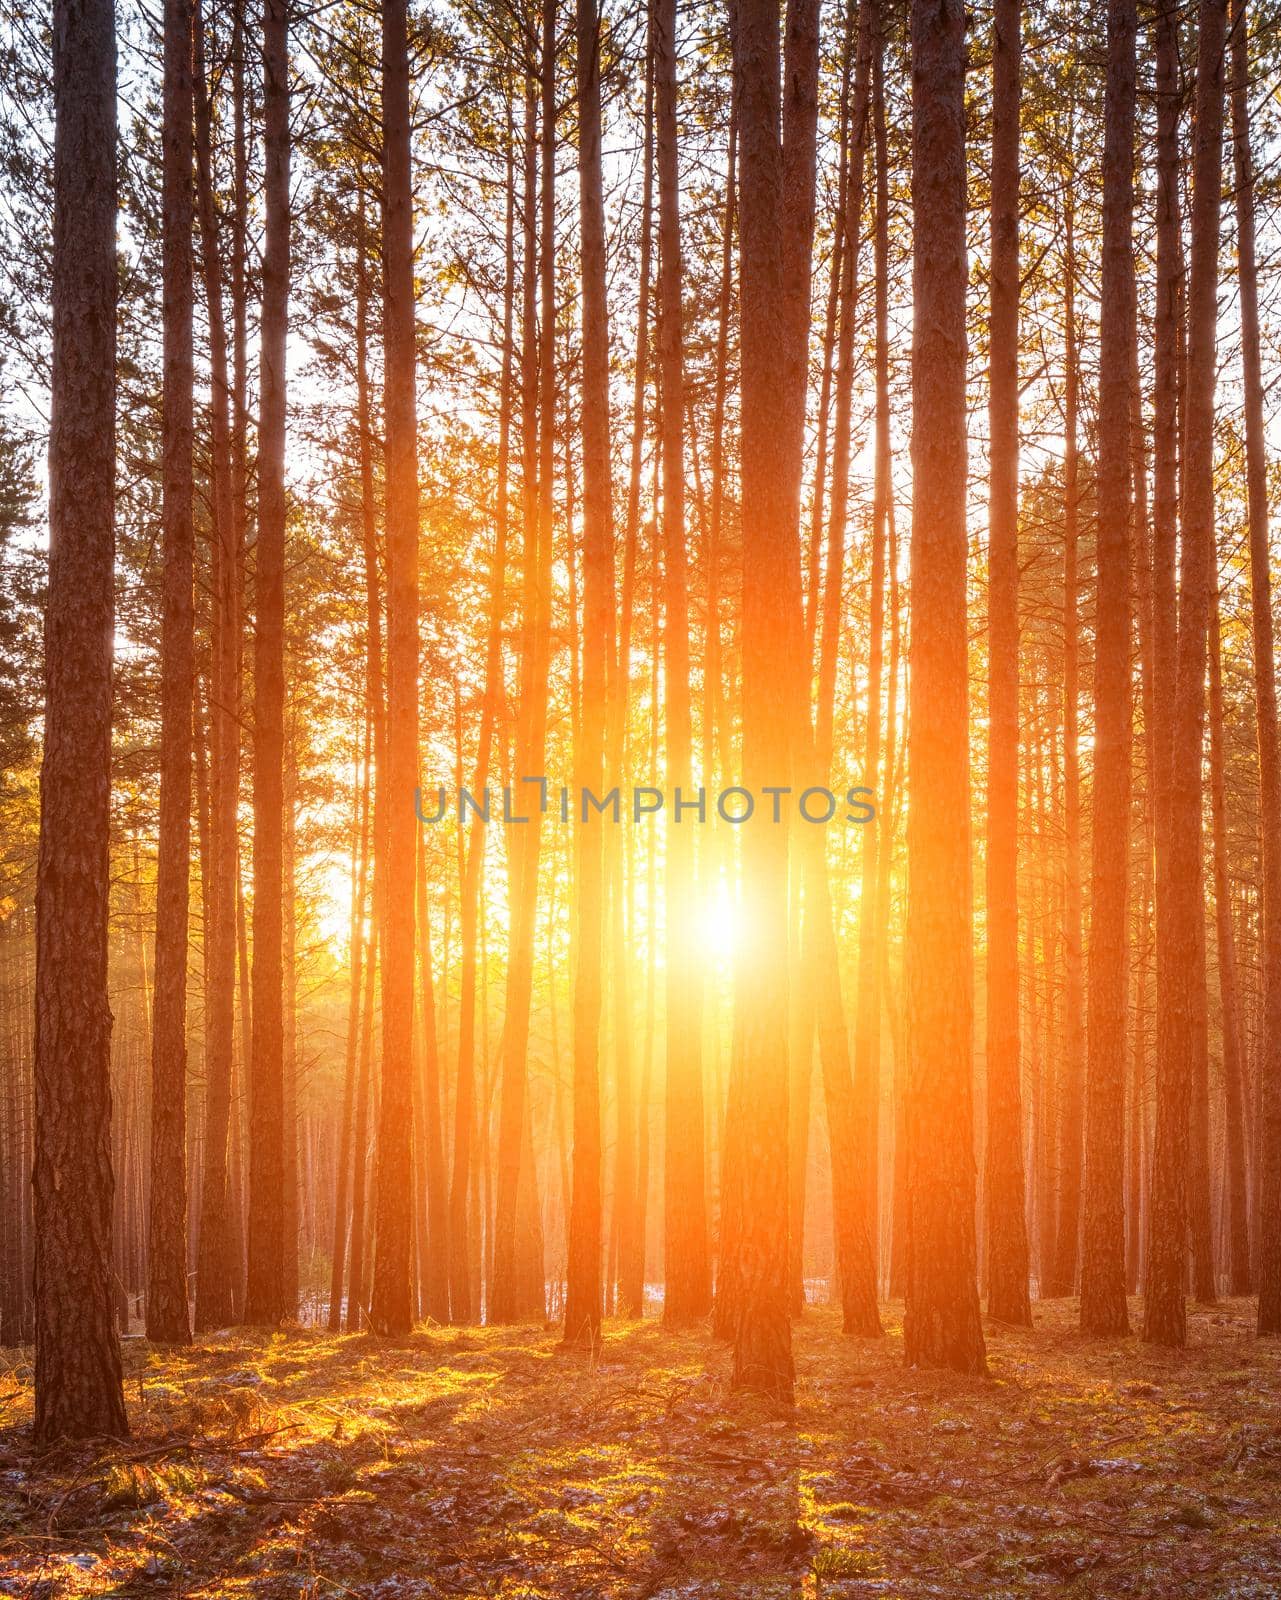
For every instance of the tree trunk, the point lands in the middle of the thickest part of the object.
(1237, 1186)
(356, 950)
(167, 1311)
(687, 1274)
(941, 1324)
(1063, 1267)
(1164, 1316)
(1103, 1308)
(78, 1385)
(584, 1290)
(771, 636)
(265, 1284)
(391, 1301)
(1268, 1222)
(515, 1293)
(631, 1197)
(461, 1307)
(430, 1186)
(1007, 1268)
(356, 1285)
(214, 1262)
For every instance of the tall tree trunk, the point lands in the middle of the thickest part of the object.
(688, 1279)
(584, 1290)
(1268, 1223)
(1062, 1277)
(461, 1308)
(430, 1187)
(883, 512)
(851, 1097)
(942, 1324)
(356, 1285)
(771, 630)
(1007, 1267)
(215, 1272)
(632, 1129)
(391, 1301)
(1103, 1309)
(515, 1294)
(1237, 1223)
(289, 950)
(265, 1285)
(167, 1311)
(78, 1386)
(1164, 1314)
(355, 961)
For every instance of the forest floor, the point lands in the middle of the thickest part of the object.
(492, 1463)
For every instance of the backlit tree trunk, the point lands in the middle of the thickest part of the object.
(941, 1325)
(1103, 1309)
(584, 1290)
(514, 1294)
(1007, 1266)
(688, 1281)
(391, 1302)
(167, 1312)
(1061, 1277)
(265, 1285)
(1164, 1319)
(771, 639)
(461, 1308)
(215, 1273)
(1236, 1187)
(1268, 1223)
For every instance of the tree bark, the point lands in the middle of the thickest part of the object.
(1007, 1266)
(941, 1325)
(167, 1310)
(1268, 1222)
(265, 1284)
(461, 1308)
(77, 1366)
(1103, 1308)
(771, 637)
(583, 1296)
(215, 1272)
(687, 1265)
(1236, 1188)
(630, 1186)
(514, 1293)
(391, 1301)
(1164, 1316)
(355, 961)
(1065, 1259)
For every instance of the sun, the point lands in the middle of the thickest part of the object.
(720, 923)
(333, 906)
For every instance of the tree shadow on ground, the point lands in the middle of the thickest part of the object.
(490, 1462)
